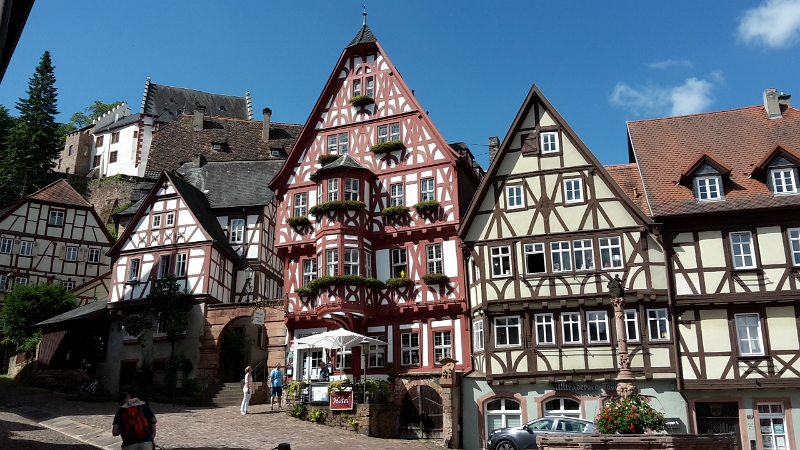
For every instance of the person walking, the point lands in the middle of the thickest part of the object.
(136, 423)
(276, 381)
(247, 389)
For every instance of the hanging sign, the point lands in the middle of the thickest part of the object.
(258, 317)
(341, 400)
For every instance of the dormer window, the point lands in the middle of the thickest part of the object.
(708, 188)
(218, 147)
(778, 170)
(784, 181)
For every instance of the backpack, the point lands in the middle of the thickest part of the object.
(241, 383)
(134, 425)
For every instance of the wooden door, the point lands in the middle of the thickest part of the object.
(421, 414)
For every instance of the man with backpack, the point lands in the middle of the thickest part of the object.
(135, 422)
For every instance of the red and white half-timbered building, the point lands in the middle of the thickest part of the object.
(368, 205)
(53, 235)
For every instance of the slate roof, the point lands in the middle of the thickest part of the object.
(159, 98)
(738, 138)
(627, 177)
(363, 36)
(86, 311)
(177, 143)
(127, 120)
(60, 192)
(343, 162)
(233, 183)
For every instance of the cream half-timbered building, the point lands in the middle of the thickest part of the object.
(53, 236)
(364, 106)
(547, 230)
(725, 187)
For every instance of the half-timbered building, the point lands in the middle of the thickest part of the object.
(547, 230)
(724, 186)
(53, 235)
(368, 205)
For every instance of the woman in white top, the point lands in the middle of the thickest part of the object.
(247, 389)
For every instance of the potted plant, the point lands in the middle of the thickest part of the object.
(423, 207)
(361, 100)
(387, 147)
(324, 207)
(631, 415)
(298, 221)
(394, 211)
(435, 278)
(398, 281)
(327, 159)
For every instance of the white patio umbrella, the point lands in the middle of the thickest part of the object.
(334, 339)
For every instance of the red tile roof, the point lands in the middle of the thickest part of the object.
(627, 177)
(738, 138)
(60, 192)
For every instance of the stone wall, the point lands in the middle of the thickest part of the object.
(105, 194)
(637, 442)
(374, 420)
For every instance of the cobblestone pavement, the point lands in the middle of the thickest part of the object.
(18, 433)
(183, 427)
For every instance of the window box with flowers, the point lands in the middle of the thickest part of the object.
(424, 207)
(387, 147)
(398, 282)
(362, 100)
(435, 278)
(304, 291)
(322, 208)
(298, 221)
(352, 280)
(327, 158)
(395, 211)
(631, 415)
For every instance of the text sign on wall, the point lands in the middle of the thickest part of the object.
(586, 389)
(258, 317)
(341, 400)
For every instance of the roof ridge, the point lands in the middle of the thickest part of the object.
(196, 90)
(708, 113)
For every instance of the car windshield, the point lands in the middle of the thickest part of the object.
(541, 424)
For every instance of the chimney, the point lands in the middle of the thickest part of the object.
(494, 146)
(198, 160)
(197, 119)
(265, 128)
(783, 99)
(771, 104)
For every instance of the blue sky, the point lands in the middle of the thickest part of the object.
(471, 63)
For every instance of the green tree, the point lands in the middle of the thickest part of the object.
(6, 123)
(82, 118)
(27, 305)
(170, 305)
(32, 145)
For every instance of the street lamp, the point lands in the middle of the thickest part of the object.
(365, 351)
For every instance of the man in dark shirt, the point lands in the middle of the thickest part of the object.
(135, 422)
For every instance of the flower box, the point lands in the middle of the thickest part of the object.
(386, 147)
(435, 278)
(352, 280)
(322, 208)
(398, 282)
(423, 207)
(362, 100)
(298, 221)
(304, 291)
(394, 211)
(327, 159)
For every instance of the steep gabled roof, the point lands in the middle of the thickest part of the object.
(233, 184)
(60, 192)
(177, 143)
(159, 98)
(742, 138)
(364, 36)
(705, 158)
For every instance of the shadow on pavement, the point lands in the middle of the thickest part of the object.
(6, 426)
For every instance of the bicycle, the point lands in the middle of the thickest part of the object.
(91, 388)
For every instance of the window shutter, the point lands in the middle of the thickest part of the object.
(35, 248)
(62, 251)
(82, 254)
(15, 250)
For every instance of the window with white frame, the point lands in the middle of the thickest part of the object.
(573, 190)
(506, 331)
(426, 193)
(21, 280)
(26, 248)
(71, 254)
(133, 269)
(564, 407)
(332, 262)
(549, 142)
(514, 197)
(309, 270)
(332, 144)
(351, 261)
(170, 219)
(434, 252)
(545, 329)
(377, 354)
(6, 245)
(370, 86)
(3, 283)
(356, 88)
(502, 413)
(319, 194)
(383, 134)
(598, 326)
(399, 263)
(501, 261)
(344, 140)
(394, 131)
(783, 181)
(237, 230)
(409, 349)
(631, 325)
(351, 189)
(742, 250)
(68, 285)
(344, 358)
(560, 256)
(708, 188)
(611, 252)
(794, 245)
(772, 424)
(180, 265)
(300, 205)
(156, 220)
(571, 327)
(333, 189)
(534, 258)
(657, 324)
(396, 194)
(477, 335)
(584, 254)
(442, 346)
(163, 265)
(56, 218)
(748, 333)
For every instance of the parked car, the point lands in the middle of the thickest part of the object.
(524, 437)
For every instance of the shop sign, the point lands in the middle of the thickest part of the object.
(319, 393)
(258, 317)
(586, 389)
(671, 423)
(341, 400)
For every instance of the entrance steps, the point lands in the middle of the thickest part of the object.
(230, 394)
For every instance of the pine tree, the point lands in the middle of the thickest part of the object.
(28, 154)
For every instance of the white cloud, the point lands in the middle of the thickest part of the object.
(666, 64)
(775, 23)
(691, 97)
